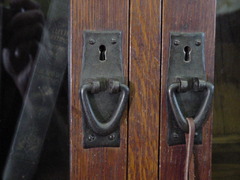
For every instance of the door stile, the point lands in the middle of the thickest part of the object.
(144, 77)
(95, 163)
(186, 16)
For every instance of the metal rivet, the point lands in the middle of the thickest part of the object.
(176, 42)
(111, 137)
(114, 41)
(175, 135)
(198, 42)
(91, 137)
(92, 41)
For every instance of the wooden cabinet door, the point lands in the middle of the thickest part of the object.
(145, 25)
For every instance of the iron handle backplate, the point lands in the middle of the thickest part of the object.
(183, 86)
(103, 94)
(188, 90)
(110, 126)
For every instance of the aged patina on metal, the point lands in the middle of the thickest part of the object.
(189, 94)
(103, 93)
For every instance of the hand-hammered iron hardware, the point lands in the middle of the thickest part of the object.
(103, 93)
(97, 126)
(203, 110)
(189, 93)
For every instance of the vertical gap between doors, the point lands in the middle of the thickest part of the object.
(160, 83)
(129, 44)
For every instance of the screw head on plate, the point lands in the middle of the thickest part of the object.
(91, 137)
(92, 41)
(114, 41)
(111, 137)
(198, 42)
(176, 42)
(175, 135)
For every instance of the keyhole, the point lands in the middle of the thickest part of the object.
(187, 54)
(102, 51)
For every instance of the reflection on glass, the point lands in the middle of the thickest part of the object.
(226, 131)
(34, 113)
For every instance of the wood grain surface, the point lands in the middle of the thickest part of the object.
(143, 154)
(144, 76)
(186, 16)
(96, 163)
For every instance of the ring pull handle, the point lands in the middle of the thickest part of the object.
(113, 87)
(183, 86)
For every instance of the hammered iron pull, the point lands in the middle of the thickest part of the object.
(184, 86)
(95, 87)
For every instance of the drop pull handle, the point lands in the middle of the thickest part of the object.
(189, 93)
(103, 94)
(110, 126)
(183, 86)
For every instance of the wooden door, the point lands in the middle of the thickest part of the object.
(145, 25)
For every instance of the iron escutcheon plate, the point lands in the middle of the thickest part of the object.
(186, 61)
(102, 59)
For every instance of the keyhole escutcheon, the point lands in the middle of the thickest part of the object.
(102, 51)
(187, 53)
